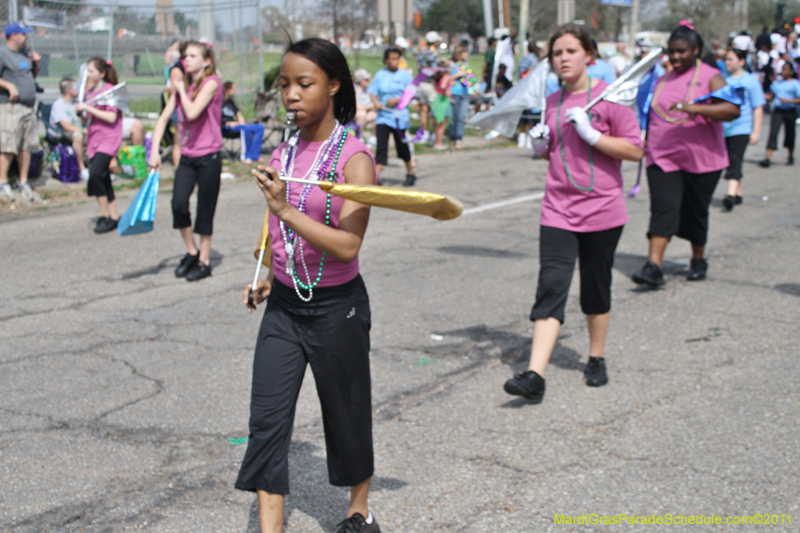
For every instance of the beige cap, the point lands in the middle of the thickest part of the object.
(433, 37)
(361, 75)
(401, 42)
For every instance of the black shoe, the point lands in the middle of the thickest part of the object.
(650, 274)
(358, 524)
(738, 200)
(790, 161)
(199, 271)
(764, 163)
(527, 384)
(410, 180)
(186, 264)
(105, 224)
(728, 202)
(697, 270)
(595, 372)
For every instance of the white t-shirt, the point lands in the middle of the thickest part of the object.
(618, 63)
(61, 110)
(779, 41)
(743, 42)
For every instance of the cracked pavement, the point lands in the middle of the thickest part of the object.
(122, 385)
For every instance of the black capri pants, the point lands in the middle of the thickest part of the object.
(99, 183)
(787, 118)
(679, 203)
(205, 172)
(382, 132)
(332, 335)
(558, 249)
(736, 144)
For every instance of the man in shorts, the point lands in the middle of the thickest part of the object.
(65, 126)
(18, 136)
(428, 57)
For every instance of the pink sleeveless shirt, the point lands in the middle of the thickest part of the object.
(335, 272)
(204, 134)
(566, 207)
(697, 146)
(101, 136)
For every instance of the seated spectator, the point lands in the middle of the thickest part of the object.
(251, 135)
(366, 113)
(64, 125)
(502, 83)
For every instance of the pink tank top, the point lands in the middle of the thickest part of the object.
(334, 272)
(101, 136)
(696, 146)
(203, 135)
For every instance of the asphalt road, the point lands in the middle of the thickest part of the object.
(122, 385)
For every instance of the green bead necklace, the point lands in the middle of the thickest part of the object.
(331, 177)
(561, 140)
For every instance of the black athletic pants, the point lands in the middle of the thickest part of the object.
(736, 144)
(558, 249)
(332, 335)
(205, 172)
(100, 177)
(679, 203)
(382, 132)
(785, 117)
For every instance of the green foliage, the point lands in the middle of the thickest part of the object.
(454, 16)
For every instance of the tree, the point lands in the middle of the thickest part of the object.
(454, 17)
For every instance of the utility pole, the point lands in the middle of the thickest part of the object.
(488, 23)
(566, 11)
(524, 6)
(13, 11)
(634, 26)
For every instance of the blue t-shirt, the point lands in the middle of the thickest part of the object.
(601, 71)
(753, 98)
(788, 89)
(457, 88)
(386, 85)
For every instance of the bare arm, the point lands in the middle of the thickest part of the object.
(66, 125)
(758, 117)
(158, 132)
(717, 109)
(240, 118)
(619, 148)
(108, 117)
(194, 109)
(343, 242)
(13, 93)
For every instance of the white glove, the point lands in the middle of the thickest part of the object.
(540, 138)
(583, 125)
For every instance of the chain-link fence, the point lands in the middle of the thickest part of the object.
(135, 38)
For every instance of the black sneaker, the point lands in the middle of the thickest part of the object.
(764, 163)
(595, 372)
(728, 202)
(697, 270)
(105, 224)
(358, 524)
(186, 264)
(527, 384)
(650, 274)
(199, 271)
(737, 200)
(790, 161)
(410, 180)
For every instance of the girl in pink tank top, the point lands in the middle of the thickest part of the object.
(198, 100)
(103, 137)
(318, 311)
(686, 154)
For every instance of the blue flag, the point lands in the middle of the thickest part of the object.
(734, 95)
(139, 216)
(645, 96)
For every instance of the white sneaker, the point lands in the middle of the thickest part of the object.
(426, 137)
(6, 193)
(521, 140)
(26, 191)
(85, 174)
(113, 177)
